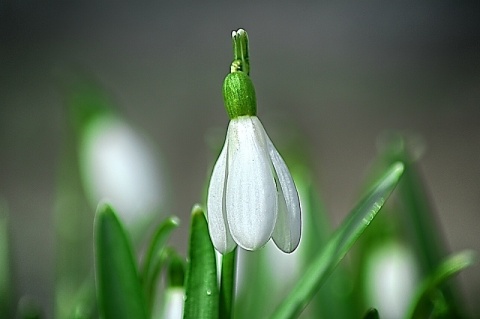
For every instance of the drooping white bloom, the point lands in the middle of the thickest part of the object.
(252, 196)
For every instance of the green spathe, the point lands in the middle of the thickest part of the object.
(239, 95)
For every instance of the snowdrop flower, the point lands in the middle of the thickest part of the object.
(252, 196)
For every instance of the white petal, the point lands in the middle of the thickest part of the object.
(288, 227)
(251, 197)
(217, 225)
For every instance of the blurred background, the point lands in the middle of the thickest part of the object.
(337, 73)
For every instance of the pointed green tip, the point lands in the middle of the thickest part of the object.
(398, 168)
(197, 210)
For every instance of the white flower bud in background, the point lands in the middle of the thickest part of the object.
(119, 165)
(391, 277)
(174, 303)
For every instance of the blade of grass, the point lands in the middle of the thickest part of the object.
(119, 292)
(420, 214)
(156, 257)
(156, 245)
(330, 301)
(201, 283)
(227, 284)
(339, 245)
(423, 303)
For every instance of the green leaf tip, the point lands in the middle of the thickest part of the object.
(119, 290)
(426, 298)
(339, 245)
(157, 256)
(238, 90)
(201, 287)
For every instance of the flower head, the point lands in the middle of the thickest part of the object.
(251, 196)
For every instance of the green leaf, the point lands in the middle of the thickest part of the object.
(426, 297)
(338, 246)
(156, 258)
(419, 215)
(201, 283)
(330, 301)
(119, 292)
(157, 244)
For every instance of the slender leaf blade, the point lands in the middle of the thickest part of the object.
(341, 242)
(422, 304)
(418, 212)
(156, 245)
(119, 291)
(156, 257)
(202, 296)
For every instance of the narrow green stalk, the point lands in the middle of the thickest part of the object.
(157, 256)
(238, 90)
(241, 58)
(227, 284)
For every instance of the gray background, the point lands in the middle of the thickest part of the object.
(339, 72)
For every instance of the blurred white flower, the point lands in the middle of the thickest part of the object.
(119, 165)
(252, 196)
(392, 275)
(174, 303)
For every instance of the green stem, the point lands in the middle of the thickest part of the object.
(241, 60)
(227, 284)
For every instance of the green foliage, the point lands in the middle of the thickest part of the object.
(428, 301)
(202, 297)
(339, 245)
(120, 294)
(157, 257)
